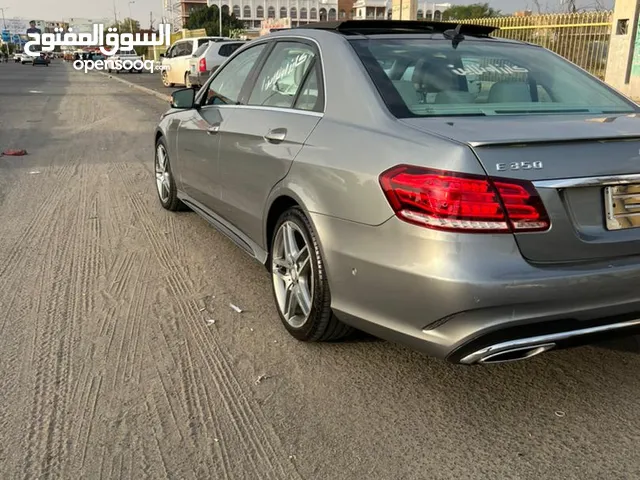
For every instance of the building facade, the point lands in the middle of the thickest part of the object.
(432, 11)
(186, 8)
(381, 9)
(253, 12)
(372, 9)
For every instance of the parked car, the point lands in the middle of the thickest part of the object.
(477, 228)
(177, 59)
(207, 58)
(125, 61)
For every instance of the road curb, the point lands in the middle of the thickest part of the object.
(161, 96)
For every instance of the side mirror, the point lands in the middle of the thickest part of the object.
(183, 98)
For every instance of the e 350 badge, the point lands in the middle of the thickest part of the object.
(503, 167)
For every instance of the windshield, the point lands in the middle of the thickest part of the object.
(418, 77)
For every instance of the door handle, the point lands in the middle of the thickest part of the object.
(212, 130)
(276, 135)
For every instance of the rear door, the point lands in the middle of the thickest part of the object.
(262, 138)
(199, 133)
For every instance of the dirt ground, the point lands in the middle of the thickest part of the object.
(111, 368)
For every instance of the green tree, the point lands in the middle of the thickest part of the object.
(128, 25)
(476, 10)
(236, 33)
(208, 18)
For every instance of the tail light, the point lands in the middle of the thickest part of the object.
(202, 65)
(462, 202)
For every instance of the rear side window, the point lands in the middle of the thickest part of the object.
(228, 48)
(182, 49)
(204, 41)
(425, 77)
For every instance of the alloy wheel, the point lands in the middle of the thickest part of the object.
(163, 180)
(292, 271)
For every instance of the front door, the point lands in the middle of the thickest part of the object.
(264, 135)
(198, 134)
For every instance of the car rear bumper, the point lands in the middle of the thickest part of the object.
(198, 78)
(453, 295)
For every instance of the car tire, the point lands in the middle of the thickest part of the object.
(302, 278)
(165, 81)
(165, 183)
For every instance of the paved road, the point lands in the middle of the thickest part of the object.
(149, 80)
(109, 369)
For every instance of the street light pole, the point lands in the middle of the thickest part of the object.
(220, 20)
(4, 22)
(130, 18)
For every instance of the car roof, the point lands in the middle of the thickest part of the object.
(359, 29)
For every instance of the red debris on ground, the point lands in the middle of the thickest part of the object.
(14, 153)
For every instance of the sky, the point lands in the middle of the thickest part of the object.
(140, 10)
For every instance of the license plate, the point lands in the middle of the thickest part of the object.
(622, 207)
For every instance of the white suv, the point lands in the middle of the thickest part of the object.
(208, 58)
(177, 59)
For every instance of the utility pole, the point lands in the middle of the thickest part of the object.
(220, 14)
(115, 14)
(4, 22)
(130, 16)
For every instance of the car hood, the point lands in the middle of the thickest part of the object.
(478, 131)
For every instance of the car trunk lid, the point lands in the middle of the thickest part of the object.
(585, 168)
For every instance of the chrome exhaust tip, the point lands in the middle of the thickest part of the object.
(515, 354)
(523, 348)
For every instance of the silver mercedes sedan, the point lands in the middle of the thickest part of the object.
(472, 197)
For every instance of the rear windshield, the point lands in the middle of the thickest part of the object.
(425, 77)
(201, 49)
